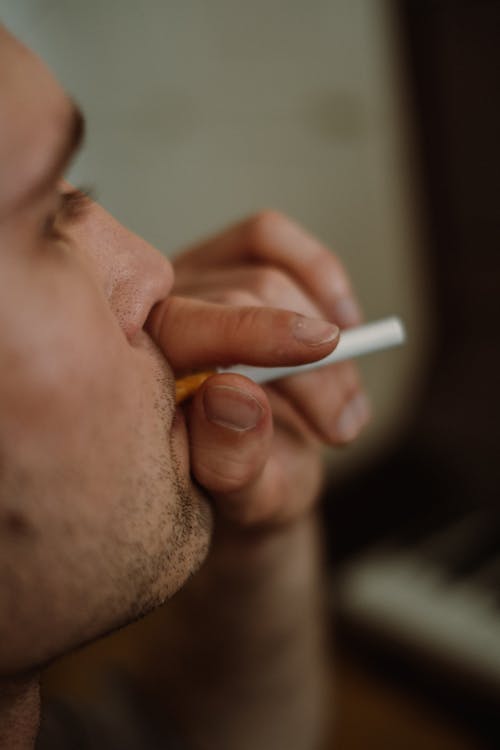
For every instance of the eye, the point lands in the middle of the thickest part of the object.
(69, 205)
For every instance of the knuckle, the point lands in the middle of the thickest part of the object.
(263, 227)
(227, 473)
(246, 321)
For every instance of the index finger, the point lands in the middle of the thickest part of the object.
(194, 334)
(270, 237)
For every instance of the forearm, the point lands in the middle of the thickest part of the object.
(245, 664)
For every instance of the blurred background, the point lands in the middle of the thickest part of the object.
(375, 124)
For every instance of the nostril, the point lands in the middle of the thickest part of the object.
(146, 282)
(125, 303)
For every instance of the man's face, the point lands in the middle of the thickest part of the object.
(99, 520)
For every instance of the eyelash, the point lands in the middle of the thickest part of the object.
(72, 203)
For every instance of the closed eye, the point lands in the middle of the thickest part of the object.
(71, 205)
(74, 202)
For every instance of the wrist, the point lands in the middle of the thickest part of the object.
(246, 552)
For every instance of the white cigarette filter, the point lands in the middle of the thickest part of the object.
(354, 342)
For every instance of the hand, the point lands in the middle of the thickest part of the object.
(257, 451)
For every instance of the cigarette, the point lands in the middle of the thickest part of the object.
(354, 342)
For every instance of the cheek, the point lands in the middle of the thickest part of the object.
(77, 399)
(93, 404)
(66, 391)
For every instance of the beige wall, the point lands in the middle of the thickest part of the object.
(202, 112)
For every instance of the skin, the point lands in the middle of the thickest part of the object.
(94, 466)
(108, 493)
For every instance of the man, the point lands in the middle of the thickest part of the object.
(109, 494)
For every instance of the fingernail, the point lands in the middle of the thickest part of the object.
(346, 312)
(314, 332)
(362, 408)
(231, 408)
(348, 423)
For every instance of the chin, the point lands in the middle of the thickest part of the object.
(45, 640)
(194, 513)
(197, 516)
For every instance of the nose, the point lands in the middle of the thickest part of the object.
(136, 276)
(142, 277)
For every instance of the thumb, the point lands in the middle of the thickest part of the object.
(193, 334)
(230, 433)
